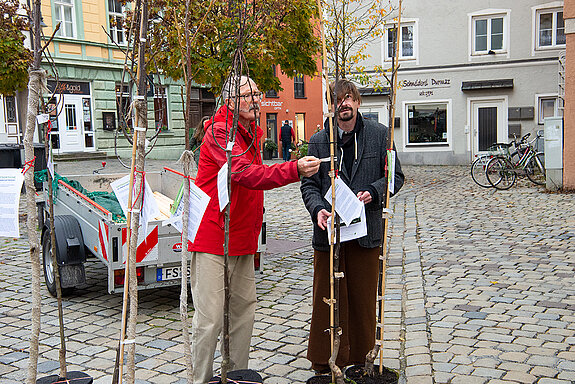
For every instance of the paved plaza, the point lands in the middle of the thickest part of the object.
(479, 289)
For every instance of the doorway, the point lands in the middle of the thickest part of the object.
(488, 123)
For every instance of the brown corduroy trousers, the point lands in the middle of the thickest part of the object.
(357, 306)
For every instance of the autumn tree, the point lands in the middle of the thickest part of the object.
(351, 27)
(14, 57)
(274, 32)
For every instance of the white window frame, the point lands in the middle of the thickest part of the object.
(63, 31)
(489, 14)
(426, 147)
(113, 29)
(404, 23)
(554, 8)
(538, 105)
(164, 97)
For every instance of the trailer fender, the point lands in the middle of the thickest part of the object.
(69, 241)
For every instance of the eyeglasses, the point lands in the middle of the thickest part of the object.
(250, 96)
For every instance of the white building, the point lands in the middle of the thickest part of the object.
(471, 73)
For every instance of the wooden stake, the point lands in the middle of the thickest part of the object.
(389, 167)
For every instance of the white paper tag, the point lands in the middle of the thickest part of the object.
(10, 187)
(43, 118)
(223, 196)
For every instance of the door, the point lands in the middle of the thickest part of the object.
(489, 124)
(272, 129)
(70, 129)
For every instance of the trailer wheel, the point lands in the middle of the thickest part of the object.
(48, 263)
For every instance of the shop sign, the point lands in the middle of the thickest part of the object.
(271, 103)
(425, 83)
(69, 87)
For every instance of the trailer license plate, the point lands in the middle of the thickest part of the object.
(170, 273)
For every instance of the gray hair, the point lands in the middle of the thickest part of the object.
(229, 88)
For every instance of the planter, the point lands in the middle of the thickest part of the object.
(75, 377)
(319, 379)
(241, 376)
(357, 374)
(268, 154)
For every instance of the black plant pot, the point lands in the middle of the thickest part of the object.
(319, 379)
(74, 377)
(358, 374)
(241, 376)
(268, 154)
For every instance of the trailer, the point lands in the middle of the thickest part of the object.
(85, 229)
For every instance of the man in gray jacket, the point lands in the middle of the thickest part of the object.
(361, 157)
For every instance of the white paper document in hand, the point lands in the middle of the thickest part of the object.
(223, 196)
(355, 230)
(347, 205)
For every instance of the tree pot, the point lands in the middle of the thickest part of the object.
(319, 379)
(241, 376)
(73, 377)
(358, 374)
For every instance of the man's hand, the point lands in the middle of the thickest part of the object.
(364, 197)
(308, 166)
(322, 217)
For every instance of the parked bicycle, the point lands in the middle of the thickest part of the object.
(502, 171)
(479, 165)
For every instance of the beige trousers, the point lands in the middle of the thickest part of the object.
(207, 282)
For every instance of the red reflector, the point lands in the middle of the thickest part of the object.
(119, 276)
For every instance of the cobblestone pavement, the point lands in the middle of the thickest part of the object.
(479, 289)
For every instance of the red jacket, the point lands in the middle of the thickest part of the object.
(246, 195)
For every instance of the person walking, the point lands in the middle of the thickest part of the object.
(361, 154)
(249, 179)
(287, 137)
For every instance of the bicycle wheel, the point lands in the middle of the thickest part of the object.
(500, 173)
(535, 169)
(478, 171)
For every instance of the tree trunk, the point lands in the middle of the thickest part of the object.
(187, 158)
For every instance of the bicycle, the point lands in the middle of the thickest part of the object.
(479, 165)
(502, 171)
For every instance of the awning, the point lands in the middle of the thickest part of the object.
(486, 84)
(373, 91)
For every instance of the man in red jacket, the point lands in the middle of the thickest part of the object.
(249, 180)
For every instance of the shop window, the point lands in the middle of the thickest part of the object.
(489, 33)
(407, 41)
(116, 18)
(299, 87)
(64, 14)
(160, 108)
(300, 126)
(427, 123)
(546, 107)
(550, 28)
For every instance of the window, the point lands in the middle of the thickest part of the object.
(406, 41)
(427, 123)
(489, 34)
(546, 107)
(272, 92)
(64, 14)
(300, 126)
(298, 87)
(160, 108)
(550, 28)
(116, 14)
(123, 102)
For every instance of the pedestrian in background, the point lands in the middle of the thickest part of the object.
(361, 153)
(249, 179)
(287, 137)
(197, 137)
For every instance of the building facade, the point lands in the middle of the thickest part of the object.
(300, 103)
(471, 74)
(88, 95)
(569, 118)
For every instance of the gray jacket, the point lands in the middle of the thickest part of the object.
(368, 174)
